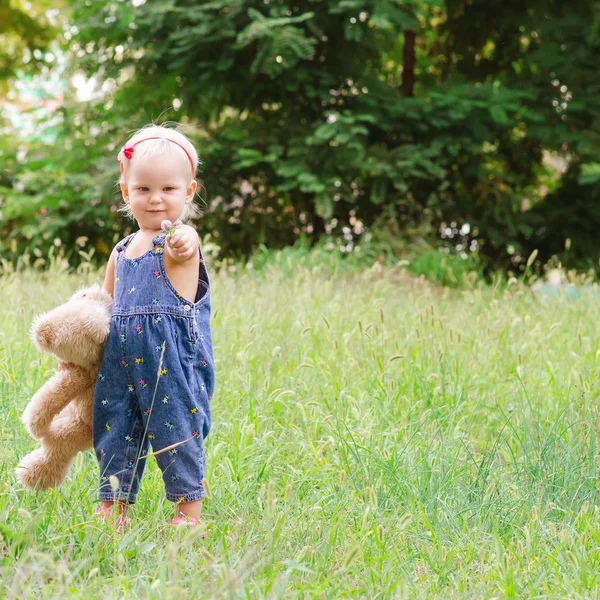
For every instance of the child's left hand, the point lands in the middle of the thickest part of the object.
(182, 244)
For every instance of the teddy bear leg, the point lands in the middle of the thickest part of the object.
(42, 469)
(48, 466)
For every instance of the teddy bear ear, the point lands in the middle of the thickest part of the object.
(43, 334)
(92, 292)
(94, 288)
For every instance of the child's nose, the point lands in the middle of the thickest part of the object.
(155, 197)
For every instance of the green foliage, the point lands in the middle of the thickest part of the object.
(276, 39)
(447, 269)
(298, 111)
(21, 31)
(328, 257)
(590, 174)
(61, 196)
(567, 223)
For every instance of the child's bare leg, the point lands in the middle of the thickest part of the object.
(189, 509)
(107, 506)
(106, 513)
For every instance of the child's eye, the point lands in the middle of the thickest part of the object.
(143, 189)
(169, 189)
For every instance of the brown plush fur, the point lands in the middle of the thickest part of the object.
(60, 413)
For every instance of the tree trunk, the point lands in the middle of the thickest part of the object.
(408, 59)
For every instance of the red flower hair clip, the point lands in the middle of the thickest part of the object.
(126, 152)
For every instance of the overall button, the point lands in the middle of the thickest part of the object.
(186, 307)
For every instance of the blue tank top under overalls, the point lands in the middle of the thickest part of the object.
(141, 401)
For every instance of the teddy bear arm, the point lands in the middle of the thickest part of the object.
(52, 397)
(70, 432)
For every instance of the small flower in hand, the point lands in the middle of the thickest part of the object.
(168, 227)
(181, 245)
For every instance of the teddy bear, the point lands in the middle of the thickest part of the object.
(60, 413)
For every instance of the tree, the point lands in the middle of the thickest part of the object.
(310, 114)
(305, 105)
(24, 36)
(547, 49)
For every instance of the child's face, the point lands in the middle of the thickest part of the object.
(157, 188)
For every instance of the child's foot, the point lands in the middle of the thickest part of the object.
(105, 515)
(102, 514)
(187, 521)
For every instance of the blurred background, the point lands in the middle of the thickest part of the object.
(462, 132)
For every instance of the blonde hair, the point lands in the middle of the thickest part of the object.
(164, 140)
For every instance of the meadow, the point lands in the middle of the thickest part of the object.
(374, 436)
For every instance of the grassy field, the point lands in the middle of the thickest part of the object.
(373, 437)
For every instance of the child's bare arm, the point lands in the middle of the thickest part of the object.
(109, 278)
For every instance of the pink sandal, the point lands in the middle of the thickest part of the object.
(189, 521)
(105, 515)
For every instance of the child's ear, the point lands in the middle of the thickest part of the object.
(191, 190)
(124, 191)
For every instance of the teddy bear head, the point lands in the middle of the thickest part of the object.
(75, 331)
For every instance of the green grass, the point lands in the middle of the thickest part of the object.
(373, 437)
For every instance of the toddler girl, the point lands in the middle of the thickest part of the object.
(161, 311)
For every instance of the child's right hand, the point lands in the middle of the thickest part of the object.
(183, 244)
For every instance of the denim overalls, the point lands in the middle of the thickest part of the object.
(136, 404)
